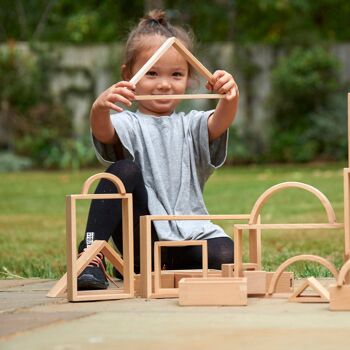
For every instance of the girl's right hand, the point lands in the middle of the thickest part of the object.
(120, 92)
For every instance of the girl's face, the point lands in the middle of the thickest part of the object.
(168, 76)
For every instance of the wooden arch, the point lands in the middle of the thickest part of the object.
(117, 182)
(284, 185)
(314, 258)
(342, 273)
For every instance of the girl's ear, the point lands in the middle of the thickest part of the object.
(125, 73)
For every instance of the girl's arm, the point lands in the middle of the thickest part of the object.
(100, 121)
(225, 112)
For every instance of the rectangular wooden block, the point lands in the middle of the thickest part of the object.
(178, 276)
(339, 298)
(285, 283)
(256, 282)
(211, 291)
(167, 281)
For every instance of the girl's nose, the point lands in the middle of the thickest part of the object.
(164, 84)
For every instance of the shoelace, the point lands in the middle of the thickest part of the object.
(98, 261)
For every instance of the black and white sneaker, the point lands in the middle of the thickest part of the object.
(94, 275)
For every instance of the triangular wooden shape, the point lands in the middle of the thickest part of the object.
(60, 288)
(189, 57)
(321, 295)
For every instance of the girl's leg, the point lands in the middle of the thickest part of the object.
(220, 251)
(105, 217)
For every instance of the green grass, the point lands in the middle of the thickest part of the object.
(32, 215)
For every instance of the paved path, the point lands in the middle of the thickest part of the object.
(29, 320)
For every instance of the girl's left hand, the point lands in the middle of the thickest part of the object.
(223, 83)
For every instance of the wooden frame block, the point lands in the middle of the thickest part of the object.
(189, 57)
(75, 266)
(213, 291)
(146, 241)
(321, 294)
(160, 292)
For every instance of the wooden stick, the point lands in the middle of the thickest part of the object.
(146, 256)
(179, 97)
(198, 217)
(343, 273)
(347, 218)
(128, 244)
(255, 245)
(192, 60)
(349, 130)
(71, 248)
(238, 251)
(309, 226)
(153, 59)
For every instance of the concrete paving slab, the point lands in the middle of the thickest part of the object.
(161, 324)
(18, 322)
(11, 283)
(266, 323)
(24, 295)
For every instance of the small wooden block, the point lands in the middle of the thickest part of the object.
(339, 298)
(285, 283)
(320, 295)
(211, 291)
(256, 282)
(228, 269)
(167, 281)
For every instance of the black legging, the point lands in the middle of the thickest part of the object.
(105, 220)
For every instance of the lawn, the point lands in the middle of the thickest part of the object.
(32, 214)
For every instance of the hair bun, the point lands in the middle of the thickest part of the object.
(155, 16)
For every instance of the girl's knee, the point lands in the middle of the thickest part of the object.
(220, 252)
(126, 170)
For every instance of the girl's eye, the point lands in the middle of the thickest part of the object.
(151, 73)
(177, 74)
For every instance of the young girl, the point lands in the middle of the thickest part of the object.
(163, 157)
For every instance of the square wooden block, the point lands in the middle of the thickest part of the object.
(339, 298)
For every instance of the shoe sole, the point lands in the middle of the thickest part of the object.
(91, 284)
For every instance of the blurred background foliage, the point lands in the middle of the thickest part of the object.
(306, 103)
(276, 22)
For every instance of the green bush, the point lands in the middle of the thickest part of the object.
(33, 121)
(329, 129)
(244, 146)
(71, 154)
(303, 85)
